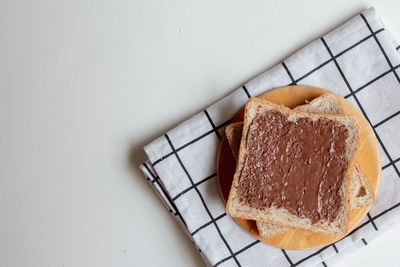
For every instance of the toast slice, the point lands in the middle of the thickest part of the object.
(360, 192)
(242, 200)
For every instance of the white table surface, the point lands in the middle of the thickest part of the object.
(85, 84)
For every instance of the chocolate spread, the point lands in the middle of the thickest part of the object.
(299, 166)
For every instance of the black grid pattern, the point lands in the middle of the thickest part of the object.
(289, 74)
(352, 93)
(169, 202)
(212, 125)
(192, 142)
(201, 197)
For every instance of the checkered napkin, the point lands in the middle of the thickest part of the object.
(358, 61)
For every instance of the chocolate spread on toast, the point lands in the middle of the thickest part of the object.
(299, 166)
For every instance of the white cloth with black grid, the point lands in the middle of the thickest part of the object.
(358, 61)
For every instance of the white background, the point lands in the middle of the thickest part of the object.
(84, 85)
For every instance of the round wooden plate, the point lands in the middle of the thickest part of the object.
(368, 157)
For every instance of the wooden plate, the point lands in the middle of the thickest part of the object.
(368, 157)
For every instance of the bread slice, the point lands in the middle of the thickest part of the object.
(360, 191)
(238, 205)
